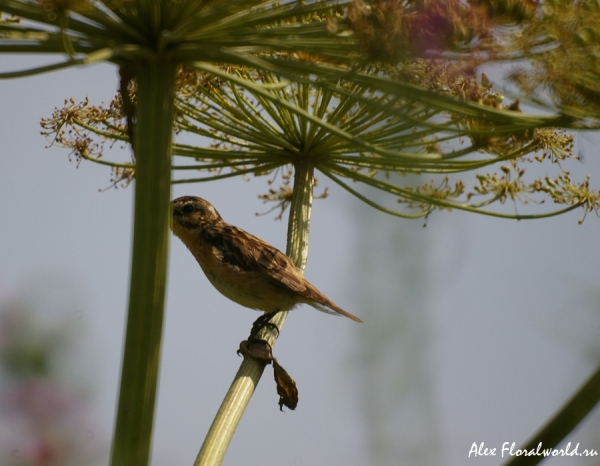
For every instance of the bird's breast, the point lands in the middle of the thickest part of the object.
(248, 288)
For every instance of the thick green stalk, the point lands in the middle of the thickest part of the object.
(563, 422)
(153, 137)
(240, 392)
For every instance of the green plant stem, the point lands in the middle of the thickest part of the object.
(563, 422)
(153, 137)
(240, 392)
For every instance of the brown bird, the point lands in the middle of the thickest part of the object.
(241, 266)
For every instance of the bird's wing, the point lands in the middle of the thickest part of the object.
(248, 253)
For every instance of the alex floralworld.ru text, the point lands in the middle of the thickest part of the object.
(509, 449)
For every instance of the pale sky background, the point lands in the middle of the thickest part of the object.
(476, 329)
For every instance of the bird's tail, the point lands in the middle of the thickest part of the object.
(331, 308)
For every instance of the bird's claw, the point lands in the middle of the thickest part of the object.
(263, 322)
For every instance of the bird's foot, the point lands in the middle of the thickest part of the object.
(263, 322)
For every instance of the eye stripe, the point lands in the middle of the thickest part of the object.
(187, 209)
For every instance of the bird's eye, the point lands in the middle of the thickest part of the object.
(187, 209)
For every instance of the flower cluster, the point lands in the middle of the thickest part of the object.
(262, 124)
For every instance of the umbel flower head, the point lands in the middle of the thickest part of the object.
(245, 122)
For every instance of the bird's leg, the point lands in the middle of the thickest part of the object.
(262, 322)
(257, 348)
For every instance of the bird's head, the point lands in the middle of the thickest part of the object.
(192, 215)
